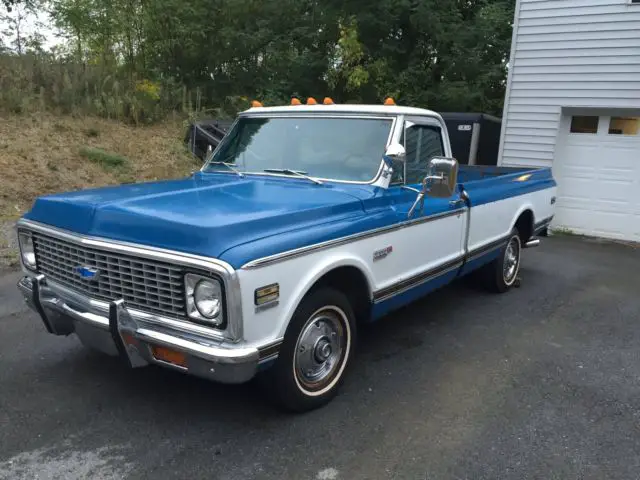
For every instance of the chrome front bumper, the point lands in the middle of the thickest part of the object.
(112, 329)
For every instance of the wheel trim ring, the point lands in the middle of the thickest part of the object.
(509, 280)
(337, 374)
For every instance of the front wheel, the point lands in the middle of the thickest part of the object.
(316, 351)
(501, 274)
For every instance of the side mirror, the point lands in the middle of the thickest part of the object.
(394, 153)
(440, 182)
(441, 178)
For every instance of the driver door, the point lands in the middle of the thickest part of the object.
(433, 241)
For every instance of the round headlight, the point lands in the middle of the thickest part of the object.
(27, 251)
(207, 298)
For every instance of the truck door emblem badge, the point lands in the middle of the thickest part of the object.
(380, 254)
(87, 273)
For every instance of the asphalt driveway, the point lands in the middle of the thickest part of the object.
(542, 382)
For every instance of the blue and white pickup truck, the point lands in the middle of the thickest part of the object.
(304, 222)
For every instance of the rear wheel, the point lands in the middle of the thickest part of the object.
(501, 274)
(316, 351)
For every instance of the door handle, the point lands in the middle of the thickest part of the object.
(455, 203)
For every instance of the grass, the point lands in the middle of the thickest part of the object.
(105, 159)
(564, 231)
(45, 153)
(9, 258)
(92, 132)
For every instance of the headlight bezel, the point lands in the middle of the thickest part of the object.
(194, 313)
(27, 249)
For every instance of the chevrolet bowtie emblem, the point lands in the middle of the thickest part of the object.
(87, 273)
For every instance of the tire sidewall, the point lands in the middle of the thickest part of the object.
(501, 284)
(289, 392)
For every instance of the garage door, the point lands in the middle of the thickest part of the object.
(597, 165)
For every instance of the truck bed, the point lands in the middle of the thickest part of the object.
(485, 184)
(470, 173)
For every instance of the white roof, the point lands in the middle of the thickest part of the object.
(345, 108)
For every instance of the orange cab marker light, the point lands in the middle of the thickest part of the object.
(169, 356)
(389, 101)
(327, 101)
(295, 101)
(256, 104)
(311, 101)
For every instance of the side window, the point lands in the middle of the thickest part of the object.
(422, 143)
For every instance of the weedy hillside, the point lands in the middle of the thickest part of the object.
(43, 153)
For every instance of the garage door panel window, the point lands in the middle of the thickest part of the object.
(624, 125)
(584, 124)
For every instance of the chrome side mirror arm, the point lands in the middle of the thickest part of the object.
(422, 193)
(419, 200)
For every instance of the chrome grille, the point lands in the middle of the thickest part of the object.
(145, 285)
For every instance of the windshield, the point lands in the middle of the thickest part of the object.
(333, 148)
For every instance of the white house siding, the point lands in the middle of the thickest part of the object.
(566, 54)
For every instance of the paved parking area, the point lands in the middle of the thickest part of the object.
(542, 382)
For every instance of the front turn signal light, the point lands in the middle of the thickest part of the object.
(168, 355)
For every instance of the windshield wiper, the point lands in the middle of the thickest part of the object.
(230, 166)
(297, 173)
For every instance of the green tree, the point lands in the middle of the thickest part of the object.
(440, 54)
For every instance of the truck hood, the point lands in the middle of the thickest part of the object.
(205, 214)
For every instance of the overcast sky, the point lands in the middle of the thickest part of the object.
(32, 23)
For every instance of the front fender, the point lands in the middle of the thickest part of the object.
(323, 268)
(295, 277)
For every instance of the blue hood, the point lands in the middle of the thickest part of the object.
(205, 214)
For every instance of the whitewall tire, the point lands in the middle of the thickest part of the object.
(316, 351)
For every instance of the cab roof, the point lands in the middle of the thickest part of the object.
(390, 110)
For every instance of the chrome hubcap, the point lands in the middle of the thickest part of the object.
(320, 348)
(511, 261)
(323, 350)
